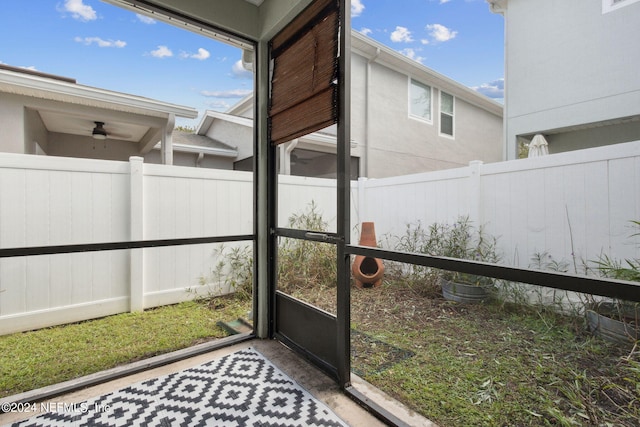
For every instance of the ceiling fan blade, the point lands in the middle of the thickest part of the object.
(116, 135)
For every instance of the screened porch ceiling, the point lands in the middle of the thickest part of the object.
(237, 22)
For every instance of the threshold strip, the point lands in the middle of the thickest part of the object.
(376, 409)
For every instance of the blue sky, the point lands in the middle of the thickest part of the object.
(104, 46)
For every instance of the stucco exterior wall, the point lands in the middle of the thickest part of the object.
(12, 125)
(35, 132)
(234, 135)
(66, 145)
(568, 64)
(593, 137)
(359, 107)
(400, 144)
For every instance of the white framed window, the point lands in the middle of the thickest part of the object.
(611, 5)
(419, 100)
(447, 110)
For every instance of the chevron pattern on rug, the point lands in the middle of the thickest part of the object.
(240, 389)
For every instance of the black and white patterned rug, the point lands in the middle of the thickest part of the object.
(241, 389)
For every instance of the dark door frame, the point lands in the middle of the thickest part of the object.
(321, 337)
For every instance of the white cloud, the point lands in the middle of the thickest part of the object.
(239, 71)
(80, 10)
(162, 52)
(100, 42)
(234, 93)
(145, 19)
(401, 34)
(201, 55)
(412, 54)
(494, 89)
(366, 31)
(440, 32)
(218, 105)
(424, 41)
(444, 1)
(356, 8)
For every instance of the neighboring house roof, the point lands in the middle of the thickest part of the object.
(377, 52)
(46, 86)
(241, 112)
(243, 106)
(321, 138)
(126, 117)
(210, 116)
(194, 143)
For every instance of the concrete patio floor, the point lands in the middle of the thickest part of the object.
(307, 376)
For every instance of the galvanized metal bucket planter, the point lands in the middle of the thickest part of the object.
(463, 292)
(613, 323)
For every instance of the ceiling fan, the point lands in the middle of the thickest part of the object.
(99, 132)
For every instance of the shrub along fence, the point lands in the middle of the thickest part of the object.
(573, 205)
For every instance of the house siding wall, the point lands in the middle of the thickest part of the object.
(558, 78)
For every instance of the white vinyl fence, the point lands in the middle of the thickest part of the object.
(60, 201)
(576, 203)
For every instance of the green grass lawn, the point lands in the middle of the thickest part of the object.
(494, 364)
(48, 356)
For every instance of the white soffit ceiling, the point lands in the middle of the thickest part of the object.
(83, 125)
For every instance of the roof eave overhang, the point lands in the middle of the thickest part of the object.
(497, 6)
(372, 50)
(56, 90)
(187, 148)
(210, 116)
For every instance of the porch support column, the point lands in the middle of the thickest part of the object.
(285, 156)
(166, 145)
(343, 309)
(263, 290)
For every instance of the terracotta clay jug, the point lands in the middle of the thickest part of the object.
(367, 271)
